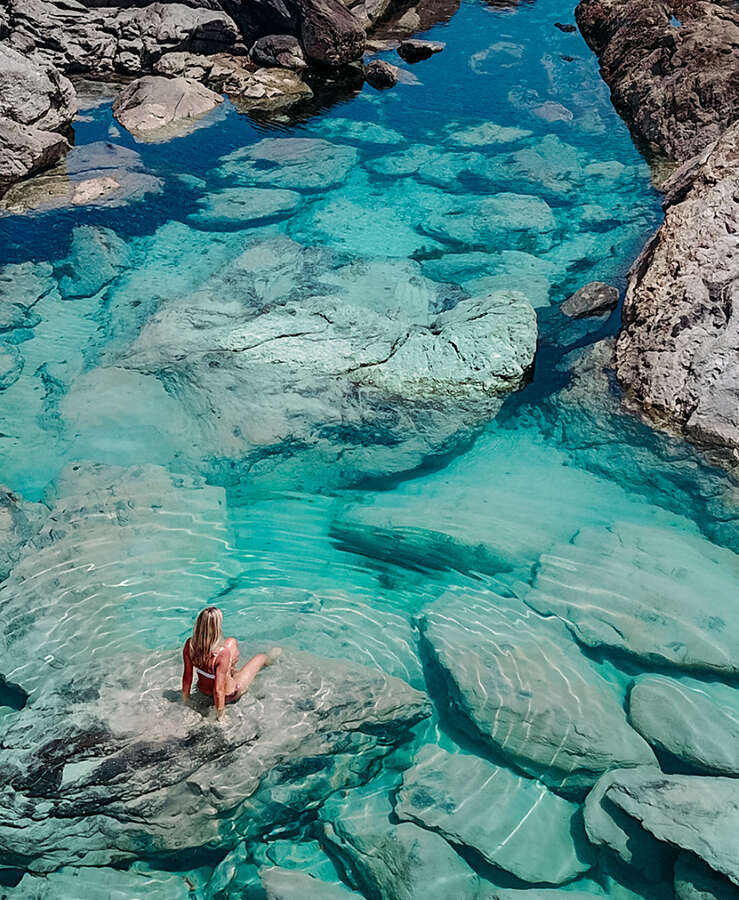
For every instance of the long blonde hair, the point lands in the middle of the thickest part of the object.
(207, 636)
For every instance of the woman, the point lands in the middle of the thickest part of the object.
(215, 661)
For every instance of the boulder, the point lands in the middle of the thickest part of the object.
(509, 675)
(354, 362)
(242, 207)
(392, 862)
(37, 107)
(593, 299)
(642, 590)
(496, 813)
(415, 50)
(294, 163)
(694, 880)
(107, 40)
(676, 355)
(20, 520)
(381, 74)
(281, 50)
(154, 108)
(696, 722)
(290, 884)
(672, 67)
(693, 813)
(608, 826)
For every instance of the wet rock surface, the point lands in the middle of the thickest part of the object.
(19, 522)
(498, 814)
(289, 884)
(155, 108)
(672, 68)
(696, 722)
(676, 356)
(514, 685)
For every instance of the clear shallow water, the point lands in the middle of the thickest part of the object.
(292, 555)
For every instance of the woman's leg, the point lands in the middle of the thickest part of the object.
(244, 677)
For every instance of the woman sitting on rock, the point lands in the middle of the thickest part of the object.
(215, 661)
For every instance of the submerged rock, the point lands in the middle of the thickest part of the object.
(393, 862)
(295, 163)
(154, 108)
(676, 355)
(20, 520)
(608, 826)
(305, 362)
(641, 590)
(242, 206)
(37, 107)
(290, 884)
(672, 67)
(593, 299)
(524, 688)
(696, 722)
(694, 880)
(98, 883)
(696, 814)
(500, 815)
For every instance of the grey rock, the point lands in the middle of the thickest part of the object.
(102, 884)
(608, 826)
(107, 40)
(416, 50)
(593, 299)
(698, 814)
(510, 674)
(696, 722)
(241, 207)
(37, 106)
(500, 815)
(367, 339)
(694, 880)
(281, 50)
(393, 862)
(96, 257)
(97, 174)
(381, 74)
(672, 67)
(154, 108)
(642, 590)
(11, 365)
(20, 520)
(676, 356)
(290, 884)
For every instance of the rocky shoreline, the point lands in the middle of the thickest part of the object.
(673, 70)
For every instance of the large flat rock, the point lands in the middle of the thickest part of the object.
(291, 364)
(696, 722)
(290, 884)
(642, 590)
(108, 765)
(499, 814)
(522, 685)
(698, 814)
(393, 862)
(154, 108)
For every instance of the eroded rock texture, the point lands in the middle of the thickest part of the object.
(677, 356)
(672, 66)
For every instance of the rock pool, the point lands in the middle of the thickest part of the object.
(312, 369)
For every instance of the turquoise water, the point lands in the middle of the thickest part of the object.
(333, 535)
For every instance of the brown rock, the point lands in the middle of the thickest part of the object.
(593, 299)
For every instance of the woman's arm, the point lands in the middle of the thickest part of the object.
(187, 673)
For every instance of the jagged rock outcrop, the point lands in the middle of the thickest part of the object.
(672, 66)
(156, 108)
(37, 106)
(677, 356)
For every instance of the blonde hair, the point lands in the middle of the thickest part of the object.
(207, 636)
